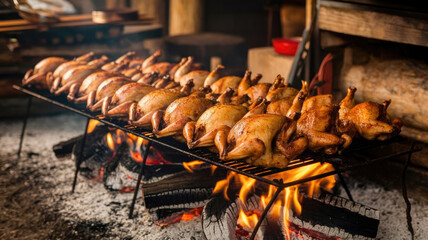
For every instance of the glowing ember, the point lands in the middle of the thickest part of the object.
(92, 124)
(184, 216)
(126, 190)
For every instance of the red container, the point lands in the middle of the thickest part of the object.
(285, 46)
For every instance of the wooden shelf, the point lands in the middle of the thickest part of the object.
(374, 22)
(65, 21)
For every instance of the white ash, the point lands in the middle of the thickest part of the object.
(92, 202)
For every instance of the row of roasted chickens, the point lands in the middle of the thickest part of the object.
(267, 124)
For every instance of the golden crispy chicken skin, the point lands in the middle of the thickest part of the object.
(372, 121)
(214, 122)
(318, 124)
(37, 76)
(106, 89)
(79, 91)
(290, 103)
(140, 114)
(219, 86)
(73, 76)
(118, 105)
(172, 121)
(288, 142)
(251, 139)
(162, 68)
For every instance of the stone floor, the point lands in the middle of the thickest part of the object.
(36, 203)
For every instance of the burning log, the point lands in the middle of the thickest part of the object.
(183, 190)
(220, 219)
(325, 217)
(337, 216)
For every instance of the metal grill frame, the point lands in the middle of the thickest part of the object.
(349, 159)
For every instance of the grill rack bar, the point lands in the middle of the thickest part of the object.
(340, 162)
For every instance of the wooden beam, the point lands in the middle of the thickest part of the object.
(369, 23)
(185, 16)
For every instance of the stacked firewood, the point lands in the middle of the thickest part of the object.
(267, 124)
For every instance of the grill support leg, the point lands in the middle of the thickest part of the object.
(345, 186)
(24, 126)
(265, 212)
(80, 157)
(146, 149)
(404, 192)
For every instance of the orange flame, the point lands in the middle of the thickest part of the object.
(248, 220)
(288, 199)
(110, 141)
(189, 166)
(91, 125)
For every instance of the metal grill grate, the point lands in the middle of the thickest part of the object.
(350, 158)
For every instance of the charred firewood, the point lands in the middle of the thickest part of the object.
(325, 217)
(220, 218)
(64, 148)
(337, 216)
(180, 191)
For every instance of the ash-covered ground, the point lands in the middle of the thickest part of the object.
(36, 200)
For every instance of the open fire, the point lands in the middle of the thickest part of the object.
(287, 201)
(177, 188)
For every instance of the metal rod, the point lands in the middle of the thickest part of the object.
(24, 126)
(146, 150)
(345, 186)
(80, 156)
(404, 192)
(265, 212)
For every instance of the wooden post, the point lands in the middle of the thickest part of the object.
(156, 9)
(185, 16)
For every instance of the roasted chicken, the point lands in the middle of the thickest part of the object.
(140, 114)
(182, 110)
(318, 124)
(79, 92)
(288, 102)
(369, 118)
(37, 77)
(201, 78)
(215, 122)
(106, 89)
(118, 105)
(251, 139)
(72, 76)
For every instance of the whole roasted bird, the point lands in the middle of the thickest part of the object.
(369, 118)
(37, 77)
(106, 89)
(79, 92)
(318, 124)
(214, 123)
(182, 110)
(118, 105)
(140, 114)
